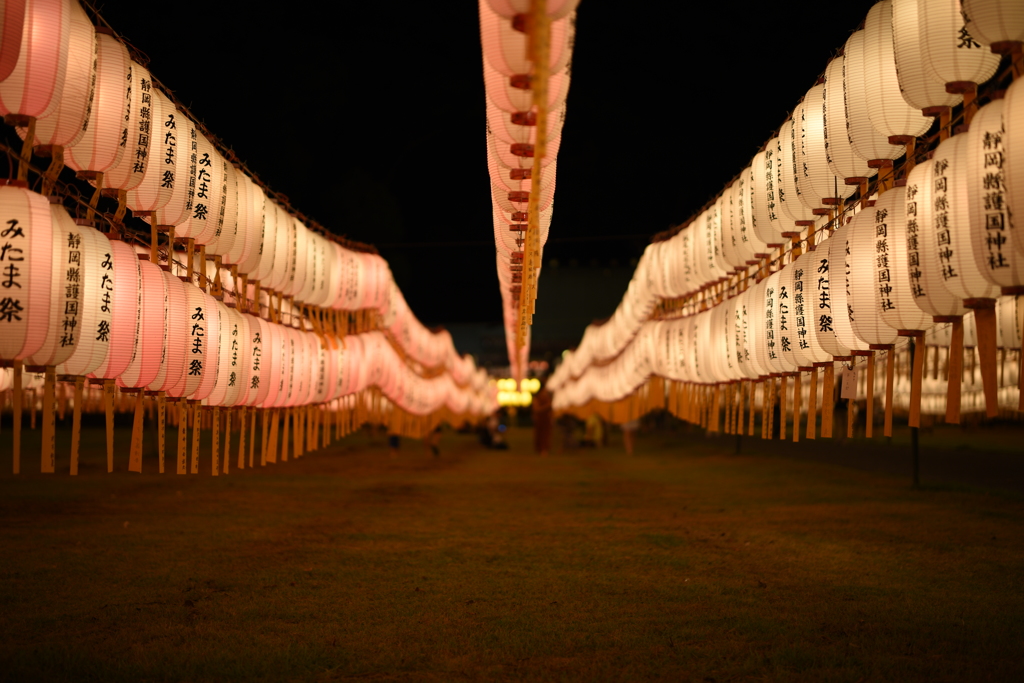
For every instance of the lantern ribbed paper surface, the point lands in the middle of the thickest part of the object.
(138, 138)
(158, 178)
(35, 85)
(245, 228)
(817, 180)
(766, 230)
(100, 147)
(172, 364)
(792, 333)
(843, 161)
(26, 259)
(808, 305)
(1013, 160)
(59, 254)
(994, 21)
(920, 89)
(66, 124)
(842, 307)
(95, 312)
(206, 186)
(950, 227)
(119, 291)
(778, 314)
(556, 9)
(889, 112)
(951, 54)
(150, 322)
(868, 142)
(828, 277)
(789, 197)
(868, 294)
(989, 212)
(896, 307)
(12, 19)
(924, 268)
(505, 48)
(205, 343)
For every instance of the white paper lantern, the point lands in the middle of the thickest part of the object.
(868, 142)
(952, 56)
(867, 295)
(920, 89)
(895, 300)
(996, 23)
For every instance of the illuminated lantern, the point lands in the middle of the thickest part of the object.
(148, 351)
(555, 9)
(951, 55)
(828, 277)
(792, 334)
(246, 230)
(924, 271)
(896, 306)
(1013, 160)
(100, 148)
(95, 312)
(842, 159)
(920, 89)
(514, 98)
(62, 330)
(868, 142)
(224, 381)
(26, 257)
(796, 213)
(65, 125)
(253, 263)
(35, 84)
(119, 291)
(258, 358)
(763, 213)
(816, 179)
(808, 306)
(778, 311)
(996, 23)
(284, 250)
(506, 51)
(171, 369)
(207, 180)
(204, 343)
(12, 20)
(888, 111)
(867, 295)
(139, 141)
(175, 151)
(225, 219)
(839, 281)
(988, 210)
(158, 178)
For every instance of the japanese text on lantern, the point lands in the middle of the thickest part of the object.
(145, 117)
(882, 260)
(824, 298)
(257, 353)
(798, 308)
(195, 366)
(170, 151)
(993, 201)
(106, 298)
(784, 320)
(72, 289)
(913, 244)
(769, 314)
(940, 204)
(13, 243)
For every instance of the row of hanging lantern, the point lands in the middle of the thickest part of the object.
(934, 247)
(236, 272)
(527, 48)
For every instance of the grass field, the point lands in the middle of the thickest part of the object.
(684, 563)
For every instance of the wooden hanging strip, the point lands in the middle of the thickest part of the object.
(828, 400)
(16, 398)
(955, 370)
(135, 452)
(285, 440)
(275, 423)
(916, 378)
(47, 462)
(76, 424)
(985, 324)
(869, 426)
(812, 405)
(265, 443)
(783, 395)
(108, 408)
(181, 409)
(197, 427)
(215, 446)
(753, 392)
(241, 438)
(161, 427)
(890, 376)
(797, 399)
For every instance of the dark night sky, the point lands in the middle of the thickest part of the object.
(371, 119)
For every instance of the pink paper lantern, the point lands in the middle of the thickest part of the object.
(35, 84)
(171, 370)
(119, 291)
(26, 261)
(148, 352)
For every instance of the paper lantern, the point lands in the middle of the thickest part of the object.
(158, 177)
(1013, 159)
(26, 262)
(506, 50)
(555, 9)
(920, 89)
(828, 278)
(245, 231)
(793, 209)
(778, 311)
(840, 268)
(950, 225)
(224, 380)
(951, 54)
(791, 303)
(139, 141)
(809, 284)
(65, 125)
(867, 294)
(59, 273)
(95, 318)
(100, 148)
(888, 111)
(258, 360)
(766, 228)
(816, 180)
(118, 291)
(12, 20)
(894, 298)
(868, 142)
(996, 23)
(34, 85)
(518, 97)
(843, 160)
(988, 216)
(204, 343)
(207, 192)
(923, 264)
(171, 370)
(148, 353)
